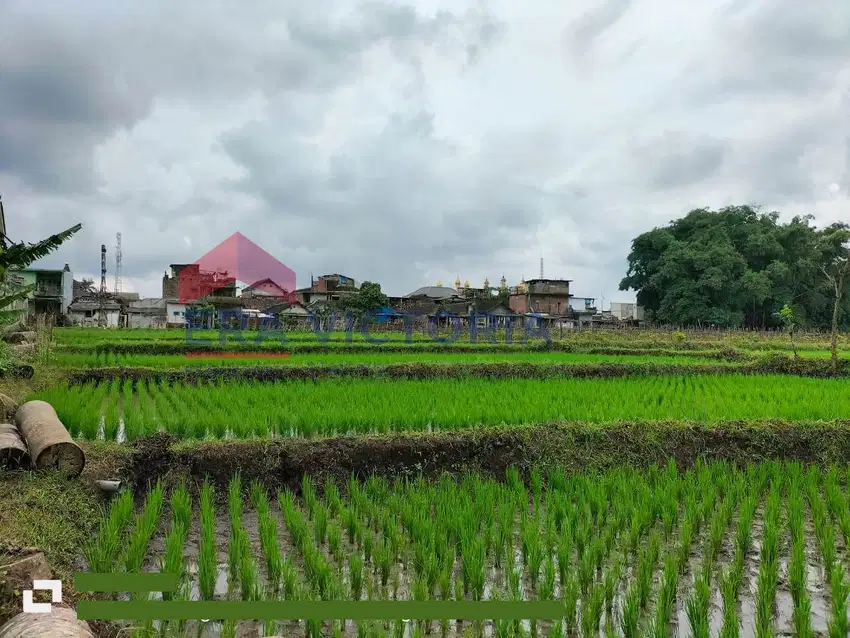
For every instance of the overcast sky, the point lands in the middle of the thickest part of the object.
(412, 141)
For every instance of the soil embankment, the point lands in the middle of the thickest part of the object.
(283, 462)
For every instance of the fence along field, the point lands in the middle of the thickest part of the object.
(715, 550)
(240, 409)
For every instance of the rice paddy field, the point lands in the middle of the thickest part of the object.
(336, 407)
(711, 551)
(725, 543)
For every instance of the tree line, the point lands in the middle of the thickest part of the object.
(739, 267)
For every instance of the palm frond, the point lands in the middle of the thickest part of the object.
(7, 316)
(7, 298)
(22, 255)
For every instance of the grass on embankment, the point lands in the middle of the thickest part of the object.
(374, 358)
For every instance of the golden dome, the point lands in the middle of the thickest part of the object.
(457, 282)
(439, 284)
(466, 283)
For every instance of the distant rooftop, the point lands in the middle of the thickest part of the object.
(433, 292)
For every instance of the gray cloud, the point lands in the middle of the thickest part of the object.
(409, 141)
(582, 33)
(678, 159)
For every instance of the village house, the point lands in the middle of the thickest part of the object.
(86, 311)
(52, 294)
(548, 297)
(149, 312)
(327, 288)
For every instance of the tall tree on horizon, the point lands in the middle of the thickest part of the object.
(732, 267)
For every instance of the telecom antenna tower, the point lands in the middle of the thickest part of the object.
(118, 281)
(541, 267)
(101, 314)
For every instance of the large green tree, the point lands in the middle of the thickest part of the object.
(369, 298)
(734, 267)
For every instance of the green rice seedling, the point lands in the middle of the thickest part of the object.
(797, 567)
(587, 570)
(647, 559)
(384, 561)
(102, 552)
(838, 624)
(320, 522)
(547, 583)
(355, 575)
(666, 596)
(234, 546)
(630, 613)
(308, 494)
(729, 592)
(591, 613)
(146, 523)
(697, 605)
(181, 506)
(249, 580)
(207, 546)
(473, 555)
(269, 546)
(335, 542)
(228, 629)
(612, 577)
(768, 567)
(570, 593)
(172, 562)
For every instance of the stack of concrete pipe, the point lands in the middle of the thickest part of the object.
(37, 439)
(21, 339)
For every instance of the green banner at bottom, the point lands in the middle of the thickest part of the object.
(319, 610)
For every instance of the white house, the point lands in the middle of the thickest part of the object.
(175, 313)
(146, 313)
(85, 311)
(627, 311)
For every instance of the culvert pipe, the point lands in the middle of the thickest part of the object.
(61, 622)
(14, 454)
(49, 444)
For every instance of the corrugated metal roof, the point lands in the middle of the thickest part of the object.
(433, 292)
(148, 303)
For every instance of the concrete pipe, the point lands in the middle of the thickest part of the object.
(49, 444)
(23, 349)
(13, 452)
(61, 622)
(7, 407)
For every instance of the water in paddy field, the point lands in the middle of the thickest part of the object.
(818, 593)
(121, 435)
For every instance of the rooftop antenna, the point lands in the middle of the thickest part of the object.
(101, 314)
(541, 267)
(118, 281)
